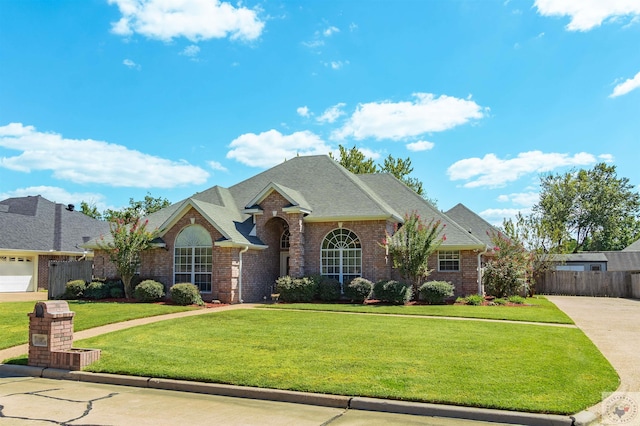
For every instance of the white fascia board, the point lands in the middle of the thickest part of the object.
(239, 245)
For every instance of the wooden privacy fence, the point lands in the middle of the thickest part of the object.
(588, 283)
(62, 272)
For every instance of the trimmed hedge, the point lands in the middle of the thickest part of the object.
(393, 292)
(149, 291)
(296, 289)
(327, 289)
(96, 290)
(74, 289)
(185, 294)
(436, 292)
(359, 290)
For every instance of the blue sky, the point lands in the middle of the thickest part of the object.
(103, 101)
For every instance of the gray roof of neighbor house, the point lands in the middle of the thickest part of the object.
(623, 260)
(319, 187)
(635, 246)
(473, 223)
(34, 223)
(580, 257)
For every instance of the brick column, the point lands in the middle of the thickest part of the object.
(296, 245)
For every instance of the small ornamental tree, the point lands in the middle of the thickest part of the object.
(129, 240)
(410, 246)
(506, 273)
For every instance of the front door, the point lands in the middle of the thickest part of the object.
(284, 263)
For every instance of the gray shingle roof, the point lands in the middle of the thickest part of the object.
(36, 224)
(623, 260)
(580, 257)
(633, 247)
(473, 223)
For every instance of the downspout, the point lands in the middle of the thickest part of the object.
(480, 286)
(244, 250)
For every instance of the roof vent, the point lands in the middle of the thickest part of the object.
(70, 207)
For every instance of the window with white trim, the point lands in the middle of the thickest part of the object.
(449, 261)
(193, 258)
(341, 256)
(284, 240)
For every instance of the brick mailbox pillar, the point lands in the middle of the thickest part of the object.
(51, 338)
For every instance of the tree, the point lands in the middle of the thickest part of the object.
(137, 209)
(589, 209)
(528, 232)
(128, 241)
(505, 273)
(410, 246)
(90, 210)
(356, 162)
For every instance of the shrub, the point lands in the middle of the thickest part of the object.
(359, 290)
(474, 299)
(518, 300)
(499, 301)
(96, 290)
(185, 294)
(327, 289)
(502, 278)
(393, 291)
(115, 288)
(149, 291)
(435, 292)
(295, 289)
(74, 289)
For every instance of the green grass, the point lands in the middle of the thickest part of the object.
(14, 322)
(540, 310)
(510, 366)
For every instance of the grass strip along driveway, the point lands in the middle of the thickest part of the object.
(510, 366)
(14, 322)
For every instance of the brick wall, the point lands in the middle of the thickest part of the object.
(465, 280)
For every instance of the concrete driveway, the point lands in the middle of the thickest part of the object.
(24, 296)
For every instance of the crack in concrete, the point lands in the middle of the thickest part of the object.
(87, 411)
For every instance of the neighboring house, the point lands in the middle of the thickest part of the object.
(633, 247)
(612, 261)
(308, 215)
(35, 231)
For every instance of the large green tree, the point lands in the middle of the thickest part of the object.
(90, 210)
(357, 162)
(589, 210)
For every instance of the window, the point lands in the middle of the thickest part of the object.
(284, 240)
(449, 261)
(193, 258)
(595, 267)
(341, 256)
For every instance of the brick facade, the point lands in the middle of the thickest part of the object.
(261, 267)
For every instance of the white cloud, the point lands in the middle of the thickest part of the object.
(215, 165)
(313, 44)
(524, 199)
(398, 120)
(497, 216)
(193, 19)
(607, 158)
(626, 86)
(491, 171)
(330, 31)
(331, 114)
(129, 63)
(89, 161)
(303, 111)
(336, 65)
(272, 147)
(588, 14)
(59, 195)
(191, 51)
(420, 146)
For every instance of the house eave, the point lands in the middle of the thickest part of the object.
(312, 219)
(234, 244)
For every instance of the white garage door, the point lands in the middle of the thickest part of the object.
(16, 273)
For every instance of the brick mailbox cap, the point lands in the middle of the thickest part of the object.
(52, 309)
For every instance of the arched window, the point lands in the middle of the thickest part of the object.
(284, 240)
(341, 256)
(193, 257)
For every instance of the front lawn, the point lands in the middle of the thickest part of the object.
(14, 322)
(509, 366)
(539, 309)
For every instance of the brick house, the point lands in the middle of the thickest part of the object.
(308, 215)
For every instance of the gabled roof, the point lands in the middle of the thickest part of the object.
(322, 190)
(633, 247)
(623, 260)
(473, 223)
(34, 223)
(402, 198)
